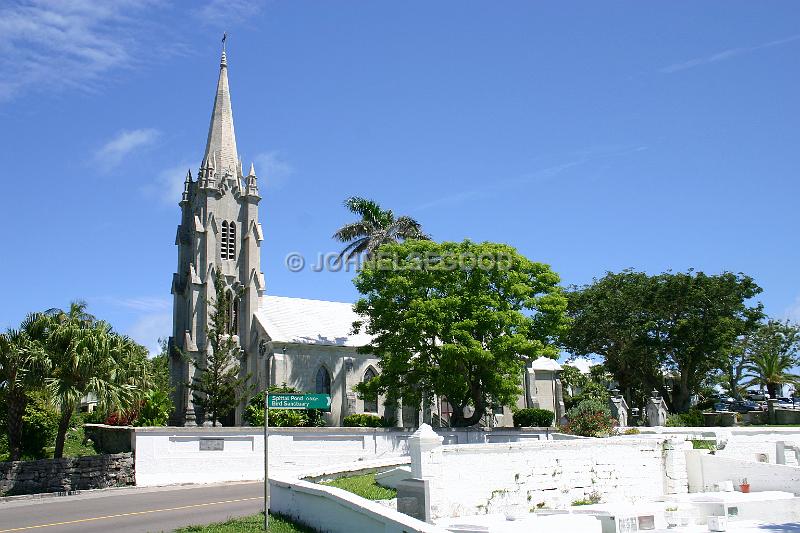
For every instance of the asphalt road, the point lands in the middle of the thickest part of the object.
(132, 510)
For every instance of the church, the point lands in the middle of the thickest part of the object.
(306, 344)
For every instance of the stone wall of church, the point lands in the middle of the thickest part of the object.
(297, 366)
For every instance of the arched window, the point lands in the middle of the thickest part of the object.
(233, 314)
(224, 241)
(370, 401)
(232, 240)
(323, 381)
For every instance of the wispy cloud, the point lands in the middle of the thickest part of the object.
(793, 311)
(272, 169)
(140, 303)
(149, 328)
(225, 13)
(167, 186)
(56, 44)
(724, 55)
(541, 175)
(123, 143)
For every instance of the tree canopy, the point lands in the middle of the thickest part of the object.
(447, 323)
(679, 327)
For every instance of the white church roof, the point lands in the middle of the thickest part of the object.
(302, 321)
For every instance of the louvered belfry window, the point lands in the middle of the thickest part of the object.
(228, 240)
(224, 241)
(232, 240)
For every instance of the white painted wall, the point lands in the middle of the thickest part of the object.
(472, 479)
(705, 469)
(170, 455)
(746, 443)
(165, 456)
(338, 511)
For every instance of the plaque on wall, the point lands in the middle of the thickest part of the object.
(215, 445)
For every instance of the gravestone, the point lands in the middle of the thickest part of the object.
(413, 498)
(619, 408)
(656, 410)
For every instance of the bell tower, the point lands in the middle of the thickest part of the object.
(218, 232)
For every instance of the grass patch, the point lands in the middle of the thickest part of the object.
(363, 485)
(590, 499)
(702, 444)
(277, 524)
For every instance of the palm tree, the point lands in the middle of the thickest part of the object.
(775, 347)
(23, 365)
(88, 357)
(376, 227)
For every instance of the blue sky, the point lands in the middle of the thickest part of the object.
(591, 136)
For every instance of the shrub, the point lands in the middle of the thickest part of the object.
(591, 390)
(631, 431)
(691, 418)
(533, 418)
(365, 421)
(39, 427)
(254, 412)
(590, 418)
(155, 409)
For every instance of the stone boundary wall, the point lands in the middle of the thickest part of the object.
(490, 478)
(338, 511)
(171, 455)
(757, 444)
(67, 474)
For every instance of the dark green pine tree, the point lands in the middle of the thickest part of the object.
(218, 387)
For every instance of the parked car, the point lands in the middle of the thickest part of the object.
(786, 403)
(738, 406)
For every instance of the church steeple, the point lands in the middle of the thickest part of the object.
(221, 145)
(219, 232)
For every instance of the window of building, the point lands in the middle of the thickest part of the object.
(224, 240)
(323, 381)
(370, 401)
(232, 240)
(228, 240)
(232, 322)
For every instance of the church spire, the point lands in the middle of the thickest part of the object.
(221, 145)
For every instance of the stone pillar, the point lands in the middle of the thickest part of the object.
(619, 408)
(425, 449)
(676, 477)
(558, 401)
(771, 410)
(530, 389)
(346, 407)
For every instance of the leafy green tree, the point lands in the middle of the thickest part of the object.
(698, 319)
(88, 357)
(375, 227)
(773, 353)
(612, 318)
(23, 366)
(218, 387)
(684, 324)
(733, 368)
(446, 320)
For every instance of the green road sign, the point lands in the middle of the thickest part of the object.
(300, 401)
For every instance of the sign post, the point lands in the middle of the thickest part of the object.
(266, 460)
(286, 401)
